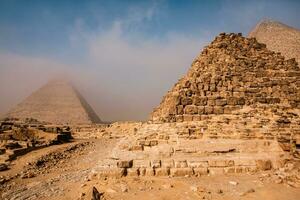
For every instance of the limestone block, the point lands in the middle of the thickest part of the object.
(162, 172)
(200, 101)
(221, 102)
(188, 118)
(208, 110)
(264, 164)
(136, 148)
(229, 170)
(180, 163)
(180, 110)
(196, 117)
(197, 164)
(186, 101)
(181, 171)
(141, 163)
(142, 171)
(112, 172)
(200, 171)
(221, 163)
(218, 110)
(155, 163)
(179, 118)
(201, 110)
(132, 171)
(167, 163)
(216, 170)
(125, 163)
(191, 109)
(149, 171)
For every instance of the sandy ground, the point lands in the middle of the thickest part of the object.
(70, 179)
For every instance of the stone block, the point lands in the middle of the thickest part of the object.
(167, 163)
(180, 110)
(181, 171)
(136, 148)
(197, 164)
(162, 172)
(142, 171)
(112, 172)
(191, 109)
(221, 102)
(200, 171)
(125, 163)
(132, 171)
(201, 110)
(155, 163)
(141, 163)
(186, 101)
(179, 118)
(200, 101)
(216, 170)
(264, 164)
(208, 110)
(221, 163)
(218, 110)
(149, 171)
(187, 118)
(180, 163)
(229, 170)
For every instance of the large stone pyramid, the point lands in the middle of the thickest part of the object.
(57, 102)
(231, 73)
(278, 37)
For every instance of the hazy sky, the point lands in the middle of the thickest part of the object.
(122, 55)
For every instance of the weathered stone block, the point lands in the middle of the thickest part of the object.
(188, 118)
(186, 101)
(162, 172)
(125, 163)
(142, 171)
(132, 172)
(218, 110)
(221, 163)
(180, 110)
(216, 170)
(200, 101)
(221, 102)
(264, 164)
(201, 110)
(200, 171)
(112, 172)
(181, 171)
(180, 163)
(141, 163)
(155, 163)
(179, 118)
(191, 109)
(197, 164)
(208, 110)
(167, 163)
(149, 172)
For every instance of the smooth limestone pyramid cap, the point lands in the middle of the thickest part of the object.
(231, 73)
(57, 102)
(278, 37)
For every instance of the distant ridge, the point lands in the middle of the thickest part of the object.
(57, 102)
(278, 37)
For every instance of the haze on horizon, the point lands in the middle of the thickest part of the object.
(122, 55)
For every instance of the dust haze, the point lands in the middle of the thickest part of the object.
(121, 79)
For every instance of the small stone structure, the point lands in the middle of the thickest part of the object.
(236, 111)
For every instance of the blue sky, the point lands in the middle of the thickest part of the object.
(117, 50)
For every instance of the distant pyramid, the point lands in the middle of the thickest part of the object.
(57, 102)
(231, 73)
(278, 37)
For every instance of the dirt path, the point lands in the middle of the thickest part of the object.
(60, 177)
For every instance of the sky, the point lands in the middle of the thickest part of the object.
(123, 56)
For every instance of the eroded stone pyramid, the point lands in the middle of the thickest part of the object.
(278, 37)
(231, 73)
(57, 102)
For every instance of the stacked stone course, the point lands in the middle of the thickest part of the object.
(230, 73)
